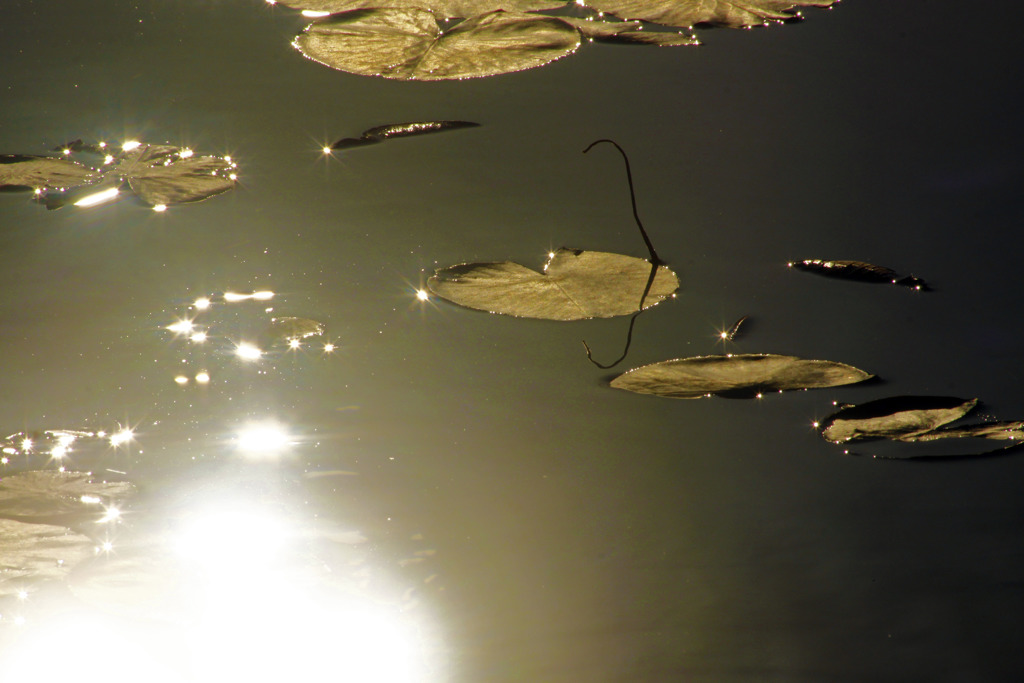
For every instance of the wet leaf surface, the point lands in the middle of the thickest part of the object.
(728, 13)
(859, 272)
(736, 376)
(400, 130)
(159, 175)
(409, 44)
(901, 418)
(574, 285)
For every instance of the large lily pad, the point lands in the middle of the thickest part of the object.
(736, 376)
(574, 285)
(409, 44)
(900, 418)
(729, 13)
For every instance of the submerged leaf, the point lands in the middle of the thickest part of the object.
(575, 285)
(858, 271)
(736, 376)
(408, 44)
(729, 13)
(400, 130)
(38, 552)
(901, 418)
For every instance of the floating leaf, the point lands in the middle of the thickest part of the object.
(858, 271)
(38, 552)
(50, 495)
(731, 333)
(400, 130)
(159, 174)
(736, 376)
(901, 418)
(408, 44)
(574, 285)
(728, 13)
(42, 173)
(441, 8)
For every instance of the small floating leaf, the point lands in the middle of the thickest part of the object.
(400, 130)
(575, 285)
(408, 44)
(901, 418)
(731, 333)
(736, 376)
(858, 271)
(728, 13)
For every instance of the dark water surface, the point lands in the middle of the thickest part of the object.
(462, 497)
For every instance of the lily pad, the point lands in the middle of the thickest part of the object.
(728, 13)
(158, 174)
(736, 376)
(50, 495)
(574, 285)
(900, 418)
(18, 171)
(409, 44)
(30, 553)
(859, 272)
(400, 130)
(441, 8)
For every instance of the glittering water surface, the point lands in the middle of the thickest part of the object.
(306, 466)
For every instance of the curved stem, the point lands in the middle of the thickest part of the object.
(655, 261)
(632, 197)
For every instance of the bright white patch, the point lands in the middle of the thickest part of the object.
(98, 197)
(422, 295)
(159, 208)
(130, 145)
(247, 351)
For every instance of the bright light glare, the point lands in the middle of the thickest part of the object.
(314, 14)
(111, 514)
(181, 379)
(327, 150)
(183, 326)
(198, 337)
(202, 303)
(121, 437)
(203, 378)
(159, 208)
(247, 351)
(262, 438)
(130, 145)
(258, 296)
(98, 197)
(422, 295)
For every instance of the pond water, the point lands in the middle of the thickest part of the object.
(424, 492)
